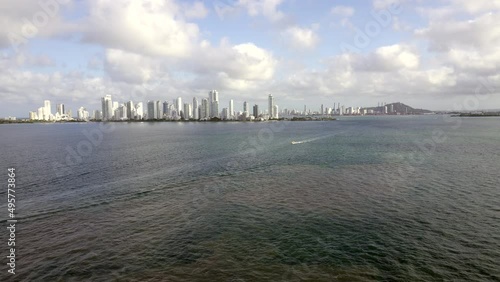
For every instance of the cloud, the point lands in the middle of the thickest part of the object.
(196, 10)
(129, 67)
(342, 11)
(149, 27)
(301, 38)
(480, 33)
(266, 8)
(22, 21)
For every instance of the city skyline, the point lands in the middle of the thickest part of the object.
(358, 52)
(175, 110)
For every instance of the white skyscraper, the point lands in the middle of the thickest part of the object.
(47, 111)
(231, 109)
(107, 108)
(213, 97)
(195, 109)
(82, 114)
(130, 109)
(187, 111)
(159, 110)
(151, 110)
(271, 106)
(60, 109)
(178, 105)
(205, 109)
(139, 111)
(275, 111)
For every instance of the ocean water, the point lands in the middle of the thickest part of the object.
(358, 199)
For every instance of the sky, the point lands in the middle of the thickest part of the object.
(437, 55)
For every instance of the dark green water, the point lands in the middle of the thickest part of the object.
(358, 200)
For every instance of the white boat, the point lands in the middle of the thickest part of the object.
(296, 142)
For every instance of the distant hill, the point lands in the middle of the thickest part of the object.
(399, 108)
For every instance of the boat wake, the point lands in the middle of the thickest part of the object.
(315, 138)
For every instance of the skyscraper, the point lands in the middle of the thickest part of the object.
(195, 109)
(60, 109)
(47, 110)
(275, 111)
(245, 106)
(139, 111)
(271, 106)
(107, 108)
(205, 109)
(130, 109)
(166, 109)
(178, 105)
(159, 110)
(151, 110)
(255, 110)
(187, 111)
(213, 97)
(231, 109)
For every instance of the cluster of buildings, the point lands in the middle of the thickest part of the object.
(206, 109)
(45, 113)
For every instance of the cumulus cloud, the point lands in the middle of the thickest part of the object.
(150, 27)
(301, 37)
(129, 67)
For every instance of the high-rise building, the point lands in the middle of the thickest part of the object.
(195, 109)
(115, 106)
(255, 110)
(40, 113)
(322, 110)
(275, 111)
(82, 114)
(225, 114)
(139, 111)
(245, 106)
(60, 109)
(130, 110)
(213, 97)
(204, 109)
(215, 109)
(187, 111)
(271, 106)
(151, 110)
(47, 110)
(97, 115)
(107, 108)
(178, 105)
(159, 110)
(231, 110)
(166, 109)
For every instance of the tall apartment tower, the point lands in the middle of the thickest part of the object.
(205, 109)
(151, 110)
(213, 97)
(271, 106)
(178, 105)
(245, 106)
(195, 109)
(231, 109)
(60, 109)
(255, 110)
(107, 108)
